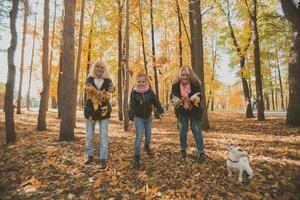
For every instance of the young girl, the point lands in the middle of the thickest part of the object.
(141, 100)
(97, 109)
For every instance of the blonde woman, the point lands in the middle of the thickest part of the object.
(186, 96)
(97, 109)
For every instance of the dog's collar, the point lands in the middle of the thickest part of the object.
(233, 160)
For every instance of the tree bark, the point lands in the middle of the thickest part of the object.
(68, 99)
(90, 47)
(45, 72)
(11, 76)
(250, 88)
(78, 58)
(280, 80)
(258, 77)
(143, 39)
(292, 14)
(126, 70)
(60, 73)
(52, 39)
(197, 53)
(26, 12)
(180, 36)
(272, 87)
(51, 56)
(242, 55)
(31, 63)
(213, 63)
(267, 101)
(120, 64)
(276, 95)
(156, 114)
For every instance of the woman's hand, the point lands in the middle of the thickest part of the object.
(176, 101)
(90, 89)
(195, 100)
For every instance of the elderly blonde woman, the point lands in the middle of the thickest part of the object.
(97, 109)
(186, 96)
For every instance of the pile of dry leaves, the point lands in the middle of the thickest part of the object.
(39, 166)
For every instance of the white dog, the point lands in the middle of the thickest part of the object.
(238, 161)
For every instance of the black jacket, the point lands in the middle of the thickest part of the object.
(102, 112)
(141, 104)
(180, 111)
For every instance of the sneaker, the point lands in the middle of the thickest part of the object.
(183, 154)
(136, 163)
(148, 151)
(103, 165)
(89, 160)
(201, 158)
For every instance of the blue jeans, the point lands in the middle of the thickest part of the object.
(142, 125)
(183, 129)
(103, 133)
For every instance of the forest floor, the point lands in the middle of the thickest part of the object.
(39, 166)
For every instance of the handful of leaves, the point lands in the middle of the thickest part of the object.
(98, 97)
(195, 100)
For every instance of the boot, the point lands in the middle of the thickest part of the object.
(89, 160)
(183, 154)
(148, 151)
(103, 165)
(201, 158)
(136, 162)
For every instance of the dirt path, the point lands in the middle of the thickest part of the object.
(39, 166)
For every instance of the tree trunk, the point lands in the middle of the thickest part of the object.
(197, 53)
(272, 88)
(267, 101)
(275, 85)
(156, 114)
(213, 63)
(258, 78)
(52, 39)
(90, 44)
(180, 36)
(126, 70)
(68, 83)
(59, 85)
(280, 81)
(78, 59)
(60, 74)
(26, 12)
(242, 55)
(45, 71)
(249, 111)
(142, 36)
(11, 76)
(31, 63)
(287, 93)
(250, 88)
(51, 53)
(120, 64)
(53, 102)
(292, 14)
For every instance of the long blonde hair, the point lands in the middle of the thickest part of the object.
(102, 64)
(192, 76)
